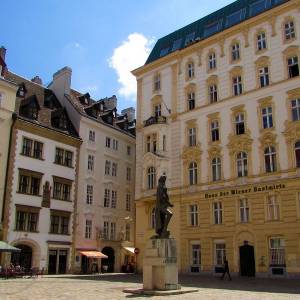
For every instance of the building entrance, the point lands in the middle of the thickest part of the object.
(57, 261)
(110, 260)
(22, 258)
(247, 261)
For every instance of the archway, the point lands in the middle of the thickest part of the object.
(22, 258)
(247, 260)
(110, 260)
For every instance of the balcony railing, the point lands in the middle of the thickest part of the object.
(155, 120)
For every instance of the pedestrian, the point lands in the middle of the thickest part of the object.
(226, 269)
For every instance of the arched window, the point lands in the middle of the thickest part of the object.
(242, 164)
(152, 218)
(151, 176)
(297, 154)
(216, 168)
(270, 159)
(193, 173)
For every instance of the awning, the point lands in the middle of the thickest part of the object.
(129, 249)
(93, 254)
(4, 247)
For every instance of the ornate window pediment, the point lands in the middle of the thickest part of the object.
(239, 143)
(191, 153)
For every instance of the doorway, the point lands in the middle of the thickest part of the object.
(110, 260)
(57, 262)
(22, 258)
(52, 262)
(247, 260)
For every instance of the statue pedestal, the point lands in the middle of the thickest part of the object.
(160, 270)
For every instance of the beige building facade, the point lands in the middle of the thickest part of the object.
(218, 112)
(7, 105)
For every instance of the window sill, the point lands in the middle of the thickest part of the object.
(70, 167)
(65, 234)
(37, 158)
(25, 231)
(261, 51)
(69, 201)
(28, 194)
(288, 41)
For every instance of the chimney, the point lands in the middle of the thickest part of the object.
(130, 111)
(2, 53)
(61, 83)
(37, 79)
(111, 103)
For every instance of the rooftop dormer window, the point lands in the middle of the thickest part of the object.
(29, 111)
(63, 122)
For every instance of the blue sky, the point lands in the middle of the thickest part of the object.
(100, 40)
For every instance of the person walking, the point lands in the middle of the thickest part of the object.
(226, 269)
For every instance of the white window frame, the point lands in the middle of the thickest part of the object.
(267, 117)
(89, 194)
(91, 162)
(192, 137)
(213, 93)
(295, 109)
(151, 178)
(273, 208)
(193, 170)
(264, 78)
(106, 202)
(114, 196)
(242, 164)
(88, 229)
(244, 210)
(193, 215)
(218, 212)
(235, 52)
(212, 62)
(289, 30)
(220, 252)
(270, 157)
(190, 70)
(216, 168)
(237, 85)
(277, 251)
(261, 41)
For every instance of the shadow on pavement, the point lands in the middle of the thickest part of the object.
(277, 285)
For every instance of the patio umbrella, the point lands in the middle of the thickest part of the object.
(4, 247)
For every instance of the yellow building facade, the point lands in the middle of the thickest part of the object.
(218, 112)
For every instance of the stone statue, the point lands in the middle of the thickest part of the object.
(163, 214)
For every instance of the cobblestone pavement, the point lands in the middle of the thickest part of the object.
(111, 287)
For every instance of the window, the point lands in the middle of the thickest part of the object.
(237, 85)
(59, 222)
(295, 109)
(151, 175)
(114, 169)
(29, 182)
(244, 210)
(191, 100)
(270, 159)
(32, 148)
(297, 154)
(113, 199)
(91, 163)
(277, 252)
(235, 52)
(157, 110)
(115, 144)
(218, 212)
(112, 231)
(164, 51)
(164, 143)
(89, 194)
(239, 124)
(289, 31)
(261, 41)
(92, 136)
(107, 142)
(211, 28)
(63, 157)
(267, 117)
(263, 76)
(107, 167)
(88, 229)
(212, 63)
(234, 18)
(242, 164)
(192, 137)
(152, 218)
(196, 255)
(216, 168)
(189, 38)
(128, 202)
(213, 93)
(26, 220)
(156, 82)
(128, 150)
(273, 208)
(106, 230)
(176, 44)
(194, 215)
(151, 145)
(220, 253)
(127, 232)
(293, 67)
(257, 7)
(214, 129)
(193, 173)
(107, 198)
(190, 70)
(128, 174)
(62, 189)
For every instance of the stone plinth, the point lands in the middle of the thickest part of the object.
(160, 270)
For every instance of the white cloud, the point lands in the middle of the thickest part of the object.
(131, 54)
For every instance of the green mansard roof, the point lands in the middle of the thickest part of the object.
(218, 21)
